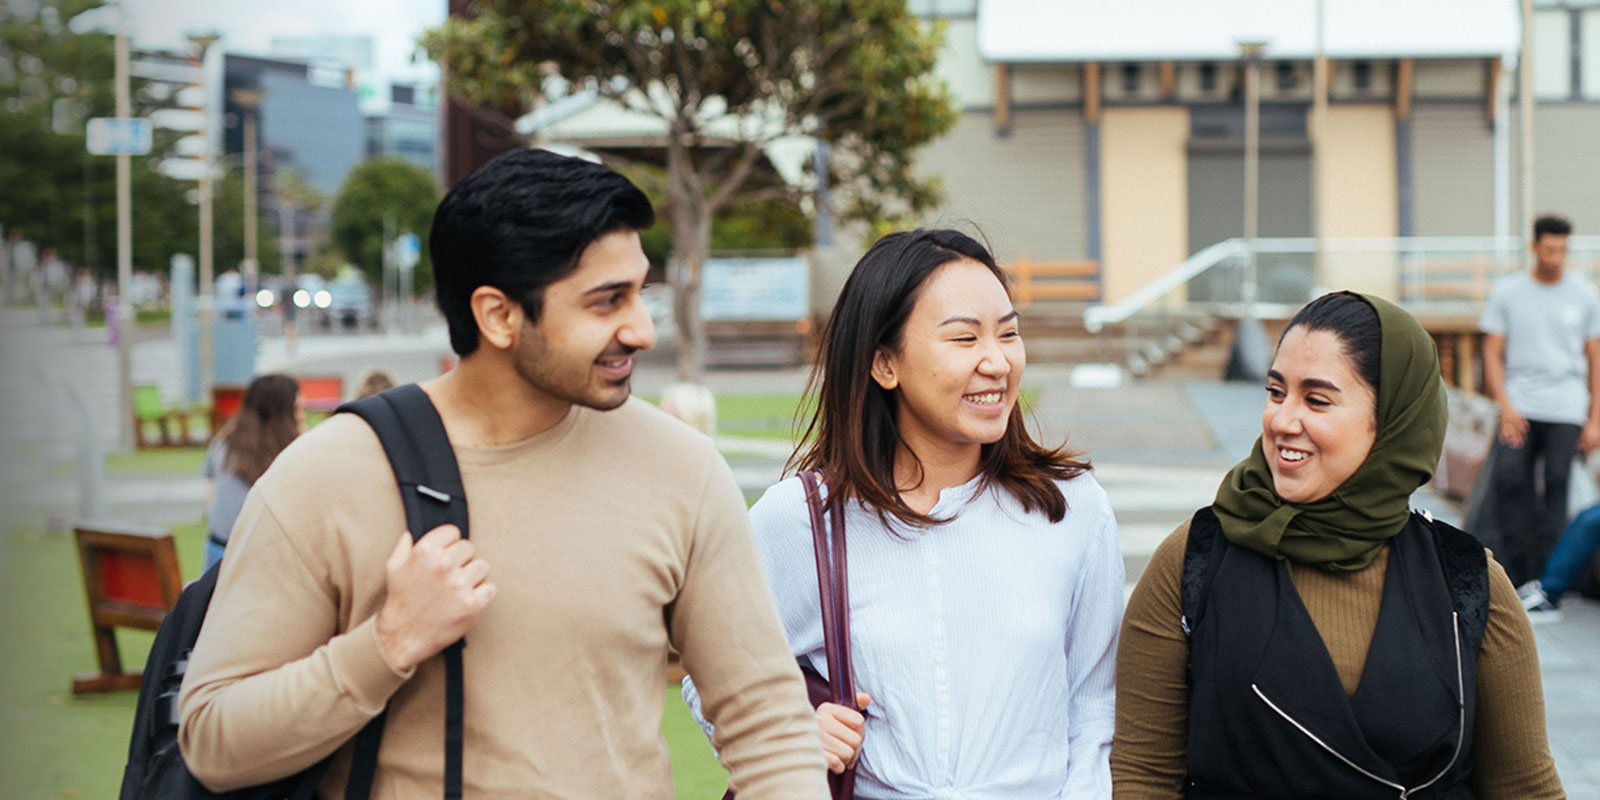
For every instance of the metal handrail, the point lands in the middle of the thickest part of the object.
(1096, 317)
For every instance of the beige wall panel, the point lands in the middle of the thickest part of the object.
(1566, 163)
(1452, 171)
(1045, 84)
(1025, 190)
(1144, 196)
(1359, 194)
(971, 79)
(1451, 79)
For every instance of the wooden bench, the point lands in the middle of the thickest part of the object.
(151, 414)
(321, 395)
(131, 580)
(1054, 280)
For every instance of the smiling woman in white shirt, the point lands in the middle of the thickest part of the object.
(985, 578)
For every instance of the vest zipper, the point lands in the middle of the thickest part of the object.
(1461, 706)
(1460, 726)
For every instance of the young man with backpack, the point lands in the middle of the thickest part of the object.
(601, 530)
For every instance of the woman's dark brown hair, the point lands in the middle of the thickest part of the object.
(852, 435)
(265, 425)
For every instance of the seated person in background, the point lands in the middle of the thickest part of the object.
(1573, 554)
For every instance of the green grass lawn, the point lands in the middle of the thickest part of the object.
(156, 462)
(62, 746)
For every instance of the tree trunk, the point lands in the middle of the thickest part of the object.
(690, 217)
(691, 239)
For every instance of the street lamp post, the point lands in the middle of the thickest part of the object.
(249, 100)
(202, 43)
(1252, 354)
(1251, 52)
(124, 320)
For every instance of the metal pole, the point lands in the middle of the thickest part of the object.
(1319, 132)
(1525, 111)
(124, 308)
(250, 199)
(207, 291)
(391, 280)
(1252, 167)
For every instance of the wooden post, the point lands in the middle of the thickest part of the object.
(1024, 281)
(131, 580)
(1169, 79)
(1467, 362)
(1002, 99)
(1091, 92)
(1492, 94)
(1405, 77)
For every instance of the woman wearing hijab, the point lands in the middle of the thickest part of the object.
(985, 580)
(1308, 635)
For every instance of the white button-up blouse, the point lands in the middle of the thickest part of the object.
(987, 643)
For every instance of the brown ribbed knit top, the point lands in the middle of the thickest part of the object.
(1511, 755)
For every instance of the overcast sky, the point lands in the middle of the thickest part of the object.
(248, 26)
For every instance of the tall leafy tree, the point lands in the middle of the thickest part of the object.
(52, 81)
(727, 78)
(382, 188)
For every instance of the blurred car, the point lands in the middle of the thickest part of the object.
(350, 301)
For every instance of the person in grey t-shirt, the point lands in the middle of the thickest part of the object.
(270, 416)
(1541, 363)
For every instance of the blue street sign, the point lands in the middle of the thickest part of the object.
(111, 136)
(407, 250)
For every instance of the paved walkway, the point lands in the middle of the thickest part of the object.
(1159, 448)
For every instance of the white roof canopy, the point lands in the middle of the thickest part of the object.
(1212, 30)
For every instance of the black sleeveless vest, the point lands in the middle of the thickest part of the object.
(1268, 717)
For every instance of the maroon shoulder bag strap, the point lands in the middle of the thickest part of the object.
(833, 589)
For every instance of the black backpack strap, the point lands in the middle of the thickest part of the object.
(424, 464)
(1466, 573)
(1200, 562)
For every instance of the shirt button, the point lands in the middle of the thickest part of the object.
(938, 658)
(931, 569)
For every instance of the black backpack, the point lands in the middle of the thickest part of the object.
(414, 439)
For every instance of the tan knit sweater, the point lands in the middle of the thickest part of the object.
(592, 530)
(1511, 755)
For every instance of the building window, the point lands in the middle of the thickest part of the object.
(1130, 78)
(1208, 76)
(1361, 73)
(943, 9)
(1288, 78)
(1589, 70)
(1552, 54)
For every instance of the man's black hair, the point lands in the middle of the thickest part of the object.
(1552, 225)
(518, 224)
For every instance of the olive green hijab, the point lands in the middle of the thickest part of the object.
(1345, 530)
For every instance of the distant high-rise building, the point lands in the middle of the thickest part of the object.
(409, 128)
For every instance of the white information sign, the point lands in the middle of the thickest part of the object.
(755, 289)
(113, 136)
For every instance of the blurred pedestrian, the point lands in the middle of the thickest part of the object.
(1574, 554)
(1541, 355)
(270, 416)
(1307, 635)
(374, 380)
